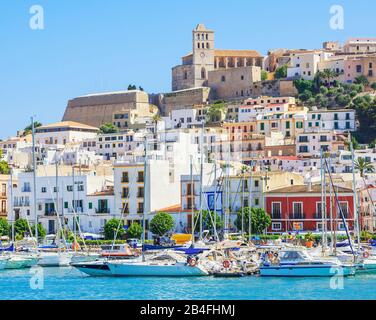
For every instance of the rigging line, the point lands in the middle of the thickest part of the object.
(339, 207)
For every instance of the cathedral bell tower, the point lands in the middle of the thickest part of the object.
(203, 54)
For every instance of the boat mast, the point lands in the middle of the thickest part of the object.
(34, 180)
(145, 190)
(323, 203)
(11, 202)
(201, 175)
(355, 208)
(192, 203)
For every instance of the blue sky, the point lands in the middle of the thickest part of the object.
(95, 45)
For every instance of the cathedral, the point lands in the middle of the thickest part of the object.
(198, 66)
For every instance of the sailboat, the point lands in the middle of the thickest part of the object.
(3, 262)
(166, 264)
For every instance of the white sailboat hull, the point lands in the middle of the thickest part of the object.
(307, 271)
(3, 262)
(54, 259)
(150, 270)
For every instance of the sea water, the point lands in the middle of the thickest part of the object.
(70, 284)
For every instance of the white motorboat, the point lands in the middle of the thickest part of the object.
(83, 257)
(97, 268)
(166, 264)
(298, 263)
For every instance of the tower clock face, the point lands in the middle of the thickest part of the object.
(202, 55)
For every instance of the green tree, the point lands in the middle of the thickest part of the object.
(260, 220)
(362, 80)
(264, 75)
(41, 231)
(281, 72)
(4, 227)
(208, 217)
(161, 223)
(373, 86)
(29, 128)
(21, 228)
(114, 227)
(108, 128)
(135, 231)
(4, 167)
(132, 87)
(303, 85)
(364, 166)
(305, 96)
(216, 112)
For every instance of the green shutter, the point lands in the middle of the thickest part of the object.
(90, 205)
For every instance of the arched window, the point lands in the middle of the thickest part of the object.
(198, 45)
(207, 37)
(198, 37)
(203, 37)
(203, 73)
(207, 45)
(185, 75)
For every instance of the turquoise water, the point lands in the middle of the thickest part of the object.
(69, 283)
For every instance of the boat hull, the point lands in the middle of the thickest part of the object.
(144, 270)
(94, 269)
(54, 259)
(3, 263)
(306, 271)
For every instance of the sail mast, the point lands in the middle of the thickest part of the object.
(34, 181)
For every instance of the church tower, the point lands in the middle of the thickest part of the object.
(203, 54)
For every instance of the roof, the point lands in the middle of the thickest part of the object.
(315, 188)
(237, 53)
(174, 208)
(67, 124)
(102, 193)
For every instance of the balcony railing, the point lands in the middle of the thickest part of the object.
(103, 210)
(276, 216)
(297, 216)
(50, 212)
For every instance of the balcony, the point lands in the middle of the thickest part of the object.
(103, 211)
(50, 213)
(297, 216)
(26, 189)
(276, 216)
(3, 194)
(125, 180)
(125, 195)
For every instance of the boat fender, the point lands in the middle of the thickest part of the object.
(226, 264)
(365, 255)
(192, 262)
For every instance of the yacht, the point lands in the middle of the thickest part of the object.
(298, 263)
(166, 264)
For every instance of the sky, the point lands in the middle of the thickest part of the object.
(90, 46)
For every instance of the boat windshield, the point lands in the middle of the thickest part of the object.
(293, 256)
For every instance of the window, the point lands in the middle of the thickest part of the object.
(140, 192)
(297, 210)
(303, 149)
(69, 188)
(90, 205)
(203, 73)
(125, 193)
(125, 177)
(223, 78)
(276, 226)
(358, 68)
(299, 125)
(80, 187)
(257, 183)
(276, 210)
(345, 209)
(262, 126)
(44, 189)
(140, 177)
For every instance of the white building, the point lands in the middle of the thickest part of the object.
(62, 133)
(326, 120)
(70, 201)
(305, 64)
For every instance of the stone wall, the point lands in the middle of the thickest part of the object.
(233, 82)
(97, 109)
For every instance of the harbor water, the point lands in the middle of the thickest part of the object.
(70, 284)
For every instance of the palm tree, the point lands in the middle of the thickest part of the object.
(328, 75)
(156, 118)
(364, 166)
